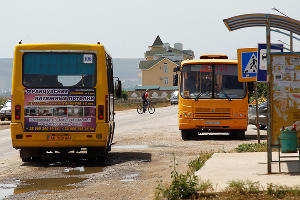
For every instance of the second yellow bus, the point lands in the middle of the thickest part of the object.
(211, 99)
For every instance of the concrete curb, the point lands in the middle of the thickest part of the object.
(225, 167)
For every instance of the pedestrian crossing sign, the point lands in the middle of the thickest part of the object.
(247, 64)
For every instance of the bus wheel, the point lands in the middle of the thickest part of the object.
(92, 154)
(36, 158)
(242, 134)
(30, 154)
(188, 134)
(95, 153)
(27, 159)
(103, 155)
(237, 134)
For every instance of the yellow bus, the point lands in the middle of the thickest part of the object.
(211, 97)
(62, 100)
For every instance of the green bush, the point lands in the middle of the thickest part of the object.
(187, 186)
(261, 91)
(253, 147)
(281, 192)
(198, 163)
(124, 95)
(243, 187)
(184, 186)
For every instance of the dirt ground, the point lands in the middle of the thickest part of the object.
(143, 150)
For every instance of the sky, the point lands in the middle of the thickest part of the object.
(127, 28)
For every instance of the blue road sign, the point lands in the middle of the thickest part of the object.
(262, 60)
(249, 64)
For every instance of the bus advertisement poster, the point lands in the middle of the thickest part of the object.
(70, 110)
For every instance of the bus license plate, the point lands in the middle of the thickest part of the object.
(212, 123)
(57, 137)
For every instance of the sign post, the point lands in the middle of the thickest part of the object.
(262, 59)
(247, 64)
(247, 71)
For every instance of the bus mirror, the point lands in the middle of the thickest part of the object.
(175, 80)
(119, 89)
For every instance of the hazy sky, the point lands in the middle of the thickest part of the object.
(127, 28)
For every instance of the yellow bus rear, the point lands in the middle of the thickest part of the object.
(211, 98)
(62, 100)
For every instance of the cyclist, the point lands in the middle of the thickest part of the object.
(145, 100)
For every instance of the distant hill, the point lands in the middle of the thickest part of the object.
(6, 65)
(127, 69)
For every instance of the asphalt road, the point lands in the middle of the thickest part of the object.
(6, 148)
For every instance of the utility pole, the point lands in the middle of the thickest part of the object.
(269, 133)
(291, 33)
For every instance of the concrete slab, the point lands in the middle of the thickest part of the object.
(225, 167)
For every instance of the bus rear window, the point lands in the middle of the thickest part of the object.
(59, 70)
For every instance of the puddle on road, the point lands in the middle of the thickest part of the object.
(137, 146)
(55, 184)
(129, 177)
(6, 190)
(82, 170)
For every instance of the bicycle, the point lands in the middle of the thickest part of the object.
(150, 107)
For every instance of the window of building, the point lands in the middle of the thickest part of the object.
(166, 68)
(166, 81)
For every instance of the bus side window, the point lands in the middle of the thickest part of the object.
(110, 74)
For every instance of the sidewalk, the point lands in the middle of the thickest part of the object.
(225, 167)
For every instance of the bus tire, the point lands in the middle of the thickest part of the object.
(241, 135)
(92, 154)
(103, 155)
(97, 154)
(30, 154)
(184, 135)
(27, 159)
(188, 134)
(237, 134)
(36, 158)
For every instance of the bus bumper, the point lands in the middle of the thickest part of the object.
(21, 139)
(213, 124)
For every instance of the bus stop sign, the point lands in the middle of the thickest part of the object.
(262, 60)
(247, 64)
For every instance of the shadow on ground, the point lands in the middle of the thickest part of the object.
(224, 137)
(80, 159)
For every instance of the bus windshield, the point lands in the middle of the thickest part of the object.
(217, 81)
(59, 70)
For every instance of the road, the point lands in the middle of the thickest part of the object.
(144, 146)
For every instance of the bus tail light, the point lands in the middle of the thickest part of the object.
(100, 112)
(106, 108)
(17, 112)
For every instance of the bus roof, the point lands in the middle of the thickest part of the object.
(59, 47)
(209, 61)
